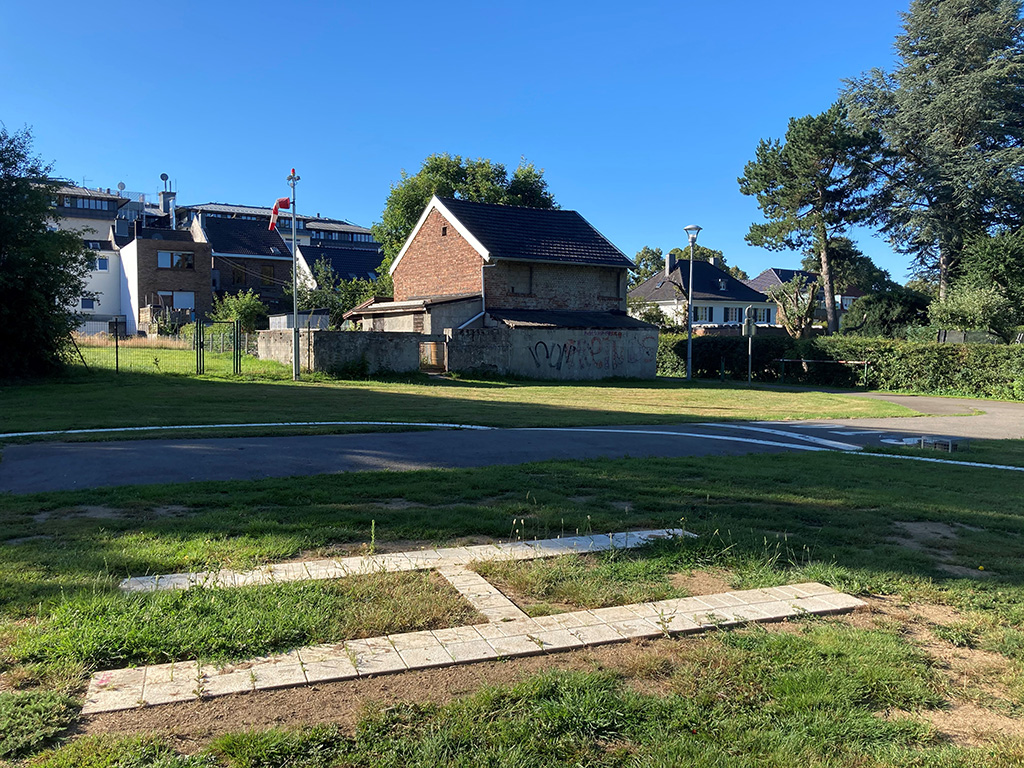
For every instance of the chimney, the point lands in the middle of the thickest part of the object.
(167, 206)
(670, 263)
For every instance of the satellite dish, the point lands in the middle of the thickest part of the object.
(164, 177)
(120, 186)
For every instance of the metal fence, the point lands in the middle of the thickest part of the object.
(217, 348)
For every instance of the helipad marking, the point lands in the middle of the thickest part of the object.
(794, 435)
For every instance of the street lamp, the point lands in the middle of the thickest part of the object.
(692, 230)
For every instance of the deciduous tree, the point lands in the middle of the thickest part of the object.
(796, 302)
(42, 270)
(445, 175)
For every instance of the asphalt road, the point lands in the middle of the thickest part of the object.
(51, 466)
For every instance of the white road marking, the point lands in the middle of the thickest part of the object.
(792, 435)
(943, 461)
(725, 438)
(854, 432)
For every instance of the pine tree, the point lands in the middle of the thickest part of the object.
(811, 188)
(951, 116)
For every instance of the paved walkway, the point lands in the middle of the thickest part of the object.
(38, 467)
(508, 632)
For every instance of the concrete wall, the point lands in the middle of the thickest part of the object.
(559, 353)
(338, 351)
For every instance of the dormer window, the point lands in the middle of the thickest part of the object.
(722, 286)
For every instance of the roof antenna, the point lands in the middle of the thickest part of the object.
(164, 177)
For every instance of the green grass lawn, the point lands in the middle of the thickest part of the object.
(939, 535)
(105, 399)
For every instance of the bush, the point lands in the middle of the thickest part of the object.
(711, 352)
(968, 370)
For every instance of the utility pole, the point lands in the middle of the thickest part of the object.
(292, 179)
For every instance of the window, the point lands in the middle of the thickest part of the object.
(847, 301)
(175, 260)
(267, 275)
(237, 276)
(520, 278)
(762, 315)
(101, 264)
(88, 304)
(444, 231)
(184, 300)
(702, 314)
(733, 314)
(165, 298)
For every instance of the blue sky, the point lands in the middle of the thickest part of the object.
(642, 114)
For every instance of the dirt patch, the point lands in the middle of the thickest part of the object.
(26, 540)
(967, 725)
(625, 506)
(938, 541)
(98, 512)
(171, 510)
(926, 537)
(702, 582)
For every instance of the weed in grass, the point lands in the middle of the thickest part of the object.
(28, 720)
(112, 630)
(115, 752)
(962, 634)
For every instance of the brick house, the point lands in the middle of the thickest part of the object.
(480, 265)
(164, 271)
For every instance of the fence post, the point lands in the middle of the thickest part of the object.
(782, 378)
(236, 337)
(117, 349)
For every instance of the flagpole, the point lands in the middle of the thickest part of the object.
(295, 287)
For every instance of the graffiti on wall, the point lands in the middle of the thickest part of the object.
(609, 351)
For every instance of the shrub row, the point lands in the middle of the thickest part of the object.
(974, 370)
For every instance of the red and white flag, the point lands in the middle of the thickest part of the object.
(282, 202)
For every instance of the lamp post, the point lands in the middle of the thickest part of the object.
(692, 230)
(292, 179)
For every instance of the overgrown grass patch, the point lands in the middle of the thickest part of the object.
(613, 577)
(28, 720)
(216, 624)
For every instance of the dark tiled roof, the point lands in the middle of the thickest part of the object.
(347, 263)
(157, 233)
(244, 237)
(775, 276)
(543, 318)
(513, 232)
(331, 225)
(707, 285)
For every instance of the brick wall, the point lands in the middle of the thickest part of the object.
(436, 264)
(152, 278)
(539, 285)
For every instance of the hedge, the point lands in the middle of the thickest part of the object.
(970, 370)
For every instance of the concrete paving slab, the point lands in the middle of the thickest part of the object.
(472, 650)
(427, 658)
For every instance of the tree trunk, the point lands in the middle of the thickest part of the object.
(831, 318)
(943, 272)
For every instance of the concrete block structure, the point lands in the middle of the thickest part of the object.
(548, 284)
